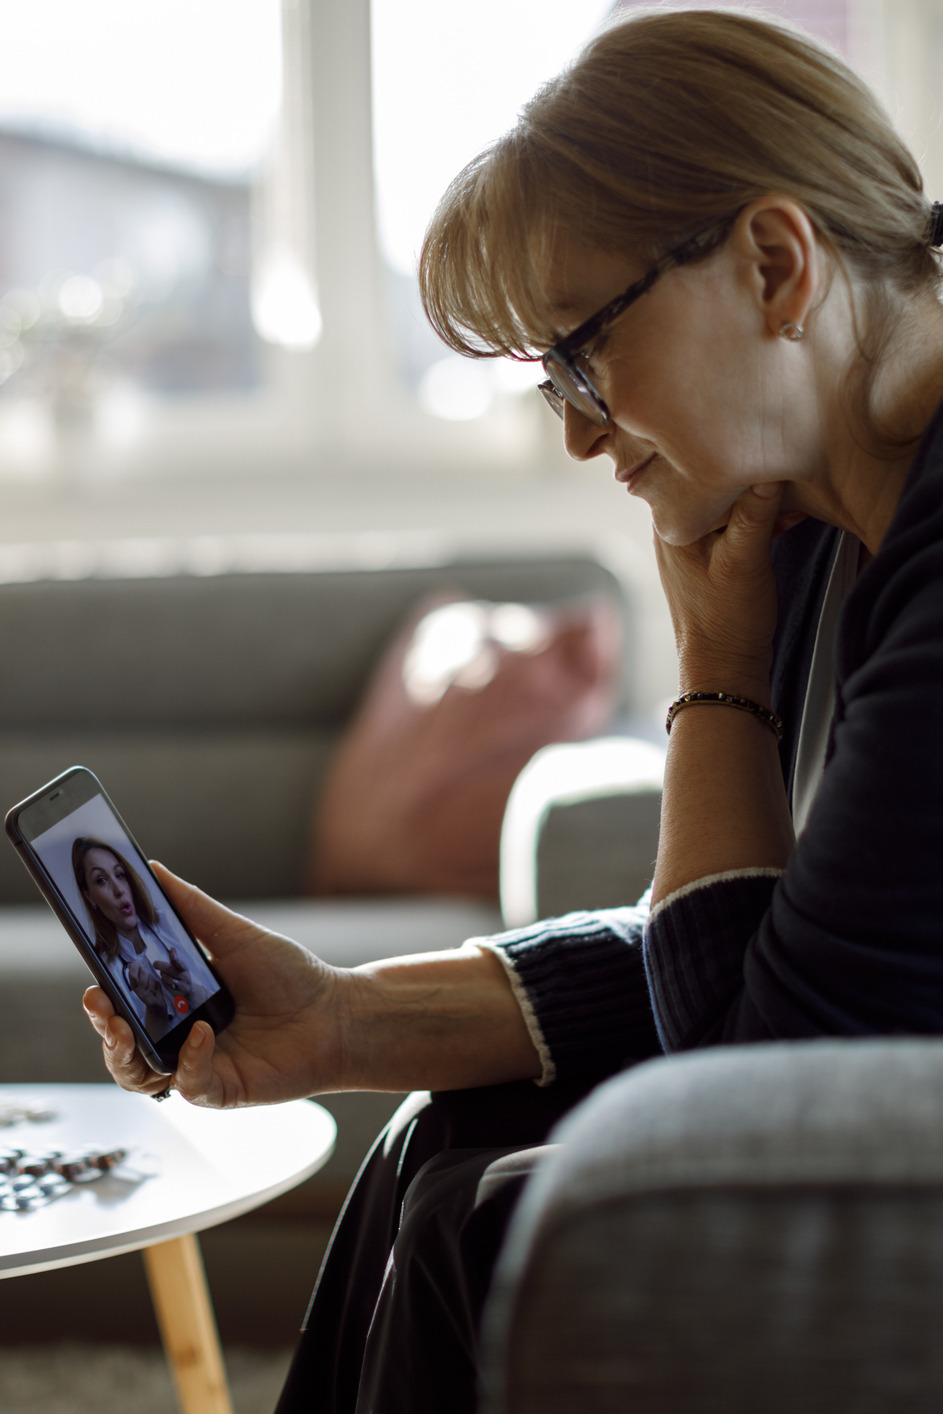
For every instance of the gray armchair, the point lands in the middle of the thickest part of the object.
(739, 1230)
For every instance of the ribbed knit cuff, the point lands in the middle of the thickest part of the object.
(581, 984)
(694, 947)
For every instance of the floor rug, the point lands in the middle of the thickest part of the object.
(113, 1379)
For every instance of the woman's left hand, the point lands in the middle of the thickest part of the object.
(722, 595)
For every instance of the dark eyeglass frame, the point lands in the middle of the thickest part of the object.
(568, 383)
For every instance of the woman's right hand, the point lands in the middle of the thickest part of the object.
(145, 984)
(284, 1041)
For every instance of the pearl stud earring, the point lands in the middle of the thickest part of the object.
(791, 331)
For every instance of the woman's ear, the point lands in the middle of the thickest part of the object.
(777, 239)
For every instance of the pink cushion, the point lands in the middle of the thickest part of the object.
(461, 700)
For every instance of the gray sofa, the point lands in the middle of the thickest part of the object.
(207, 687)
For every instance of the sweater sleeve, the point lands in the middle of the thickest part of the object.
(580, 981)
(848, 940)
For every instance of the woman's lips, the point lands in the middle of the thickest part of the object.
(629, 475)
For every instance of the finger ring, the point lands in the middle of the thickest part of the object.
(163, 1094)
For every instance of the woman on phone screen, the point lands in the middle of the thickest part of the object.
(158, 981)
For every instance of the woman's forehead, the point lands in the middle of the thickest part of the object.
(101, 854)
(577, 279)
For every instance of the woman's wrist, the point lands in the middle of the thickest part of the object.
(715, 673)
(725, 699)
(344, 1014)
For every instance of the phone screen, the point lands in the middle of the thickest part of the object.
(131, 931)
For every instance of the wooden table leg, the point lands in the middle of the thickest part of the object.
(187, 1325)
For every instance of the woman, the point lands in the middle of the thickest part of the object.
(126, 926)
(721, 252)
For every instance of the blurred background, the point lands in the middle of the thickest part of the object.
(209, 217)
(212, 358)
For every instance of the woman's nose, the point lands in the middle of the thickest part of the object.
(583, 439)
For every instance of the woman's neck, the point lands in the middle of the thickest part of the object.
(867, 461)
(132, 936)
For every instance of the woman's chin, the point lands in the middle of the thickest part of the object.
(679, 536)
(680, 530)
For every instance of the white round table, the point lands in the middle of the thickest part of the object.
(186, 1169)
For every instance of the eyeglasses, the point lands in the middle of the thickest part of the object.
(566, 381)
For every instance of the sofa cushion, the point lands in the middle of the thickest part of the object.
(465, 695)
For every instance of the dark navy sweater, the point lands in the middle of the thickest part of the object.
(848, 939)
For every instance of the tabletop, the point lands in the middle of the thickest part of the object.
(186, 1169)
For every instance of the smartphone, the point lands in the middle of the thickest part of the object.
(90, 871)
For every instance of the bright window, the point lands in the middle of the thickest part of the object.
(208, 243)
(131, 136)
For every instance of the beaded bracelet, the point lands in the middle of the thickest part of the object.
(726, 699)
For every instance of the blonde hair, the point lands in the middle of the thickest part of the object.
(668, 123)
